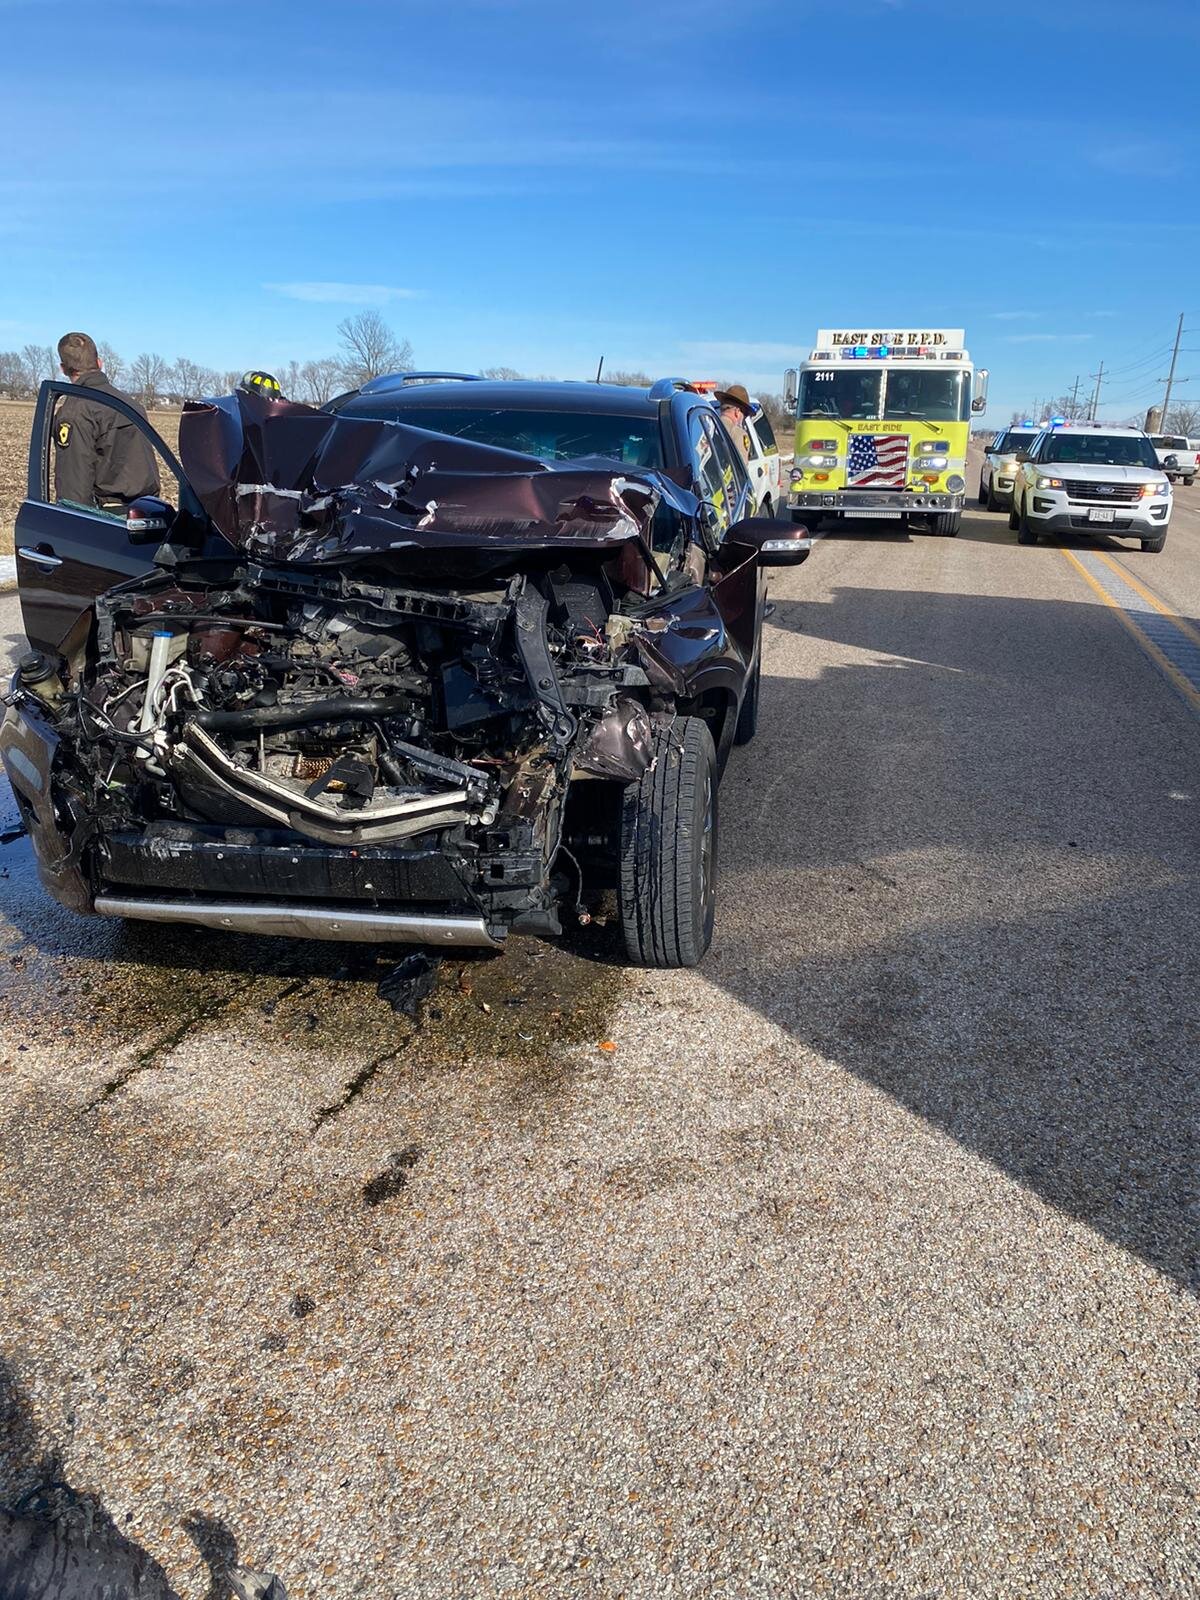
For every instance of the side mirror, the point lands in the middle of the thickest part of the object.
(979, 403)
(148, 519)
(791, 388)
(1020, 455)
(779, 543)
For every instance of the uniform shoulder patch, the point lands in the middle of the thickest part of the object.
(62, 433)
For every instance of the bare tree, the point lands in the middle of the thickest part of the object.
(228, 381)
(1064, 405)
(147, 376)
(320, 380)
(12, 374)
(290, 380)
(629, 380)
(1183, 418)
(40, 362)
(370, 348)
(504, 374)
(112, 364)
(187, 379)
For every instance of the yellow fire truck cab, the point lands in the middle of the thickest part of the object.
(882, 422)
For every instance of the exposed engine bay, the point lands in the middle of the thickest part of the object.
(277, 710)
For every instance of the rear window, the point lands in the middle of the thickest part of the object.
(765, 432)
(1164, 441)
(549, 435)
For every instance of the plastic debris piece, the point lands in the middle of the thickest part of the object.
(606, 1044)
(410, 982)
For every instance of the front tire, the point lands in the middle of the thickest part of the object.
(1026, 534)
(669, 849)
(1151, 547)
(983, 493)
(1014, 519)
(947, 525)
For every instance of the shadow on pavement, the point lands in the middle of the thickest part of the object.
(986, 901)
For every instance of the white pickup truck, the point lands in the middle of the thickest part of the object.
(1174, 444)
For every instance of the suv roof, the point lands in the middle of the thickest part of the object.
(509, 394)
(1094, 427)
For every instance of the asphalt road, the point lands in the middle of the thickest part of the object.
(858, 1267)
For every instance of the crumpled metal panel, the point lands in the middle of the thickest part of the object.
(287, 482)
(621, 744)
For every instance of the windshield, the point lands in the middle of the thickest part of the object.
(921, 394)
(836, 392)
(1014, 439)
(1102, 450)
(549, 435)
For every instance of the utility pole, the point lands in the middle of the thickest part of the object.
(1171, 374)
(1099, 377)
(1075, 397)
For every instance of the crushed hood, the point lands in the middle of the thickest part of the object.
(288, 482)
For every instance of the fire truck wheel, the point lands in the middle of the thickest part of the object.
(949, 525)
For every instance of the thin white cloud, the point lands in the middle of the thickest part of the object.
(342, 294)
(1015, 316)
(1102, 313)
(1047, 338)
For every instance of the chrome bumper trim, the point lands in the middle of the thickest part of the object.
(280, 920)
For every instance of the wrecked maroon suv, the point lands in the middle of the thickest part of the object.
(371, 682)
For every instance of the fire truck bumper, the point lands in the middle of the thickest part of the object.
(873, 502)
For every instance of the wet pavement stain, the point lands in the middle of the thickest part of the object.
(89, 990)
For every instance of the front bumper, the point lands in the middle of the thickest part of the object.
(1003, 484)
(1050, 511)
(874, 502)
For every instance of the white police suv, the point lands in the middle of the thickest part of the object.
(1091, 477)
(999, 470)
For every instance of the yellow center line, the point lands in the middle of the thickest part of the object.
(1187, 690)
(1151, 599)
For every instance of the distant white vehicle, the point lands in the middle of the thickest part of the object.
(1000, 461)
(1091, 477)
(763, 463)
(1167, 445)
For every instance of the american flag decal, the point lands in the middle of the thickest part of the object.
(877, 461)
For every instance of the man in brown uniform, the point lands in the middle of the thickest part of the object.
(100, 458)
(735, 408)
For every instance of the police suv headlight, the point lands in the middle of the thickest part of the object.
(1049, 483)
(1149, 490)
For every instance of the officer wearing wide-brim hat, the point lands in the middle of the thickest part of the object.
(735, 407)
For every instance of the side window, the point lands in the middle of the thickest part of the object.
(766, 434)
(734, 480)
(706, 463)
(98, 460)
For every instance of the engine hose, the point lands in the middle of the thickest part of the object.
(344, 708)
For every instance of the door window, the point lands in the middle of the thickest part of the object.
(734, 479)
(707, 464)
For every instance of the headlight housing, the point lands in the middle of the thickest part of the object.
(1049, 483)
(1150, 490)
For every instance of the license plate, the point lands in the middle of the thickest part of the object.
(1101, 514)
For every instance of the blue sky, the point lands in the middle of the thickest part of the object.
(683, 187)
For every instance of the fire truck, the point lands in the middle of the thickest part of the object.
(883, 416)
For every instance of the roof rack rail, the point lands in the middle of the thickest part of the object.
(397, 380)
(664, 388)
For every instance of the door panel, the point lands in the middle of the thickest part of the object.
(65, 558)
(67, 555)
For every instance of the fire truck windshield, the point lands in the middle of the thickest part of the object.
(844, 393)
(932, 396)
